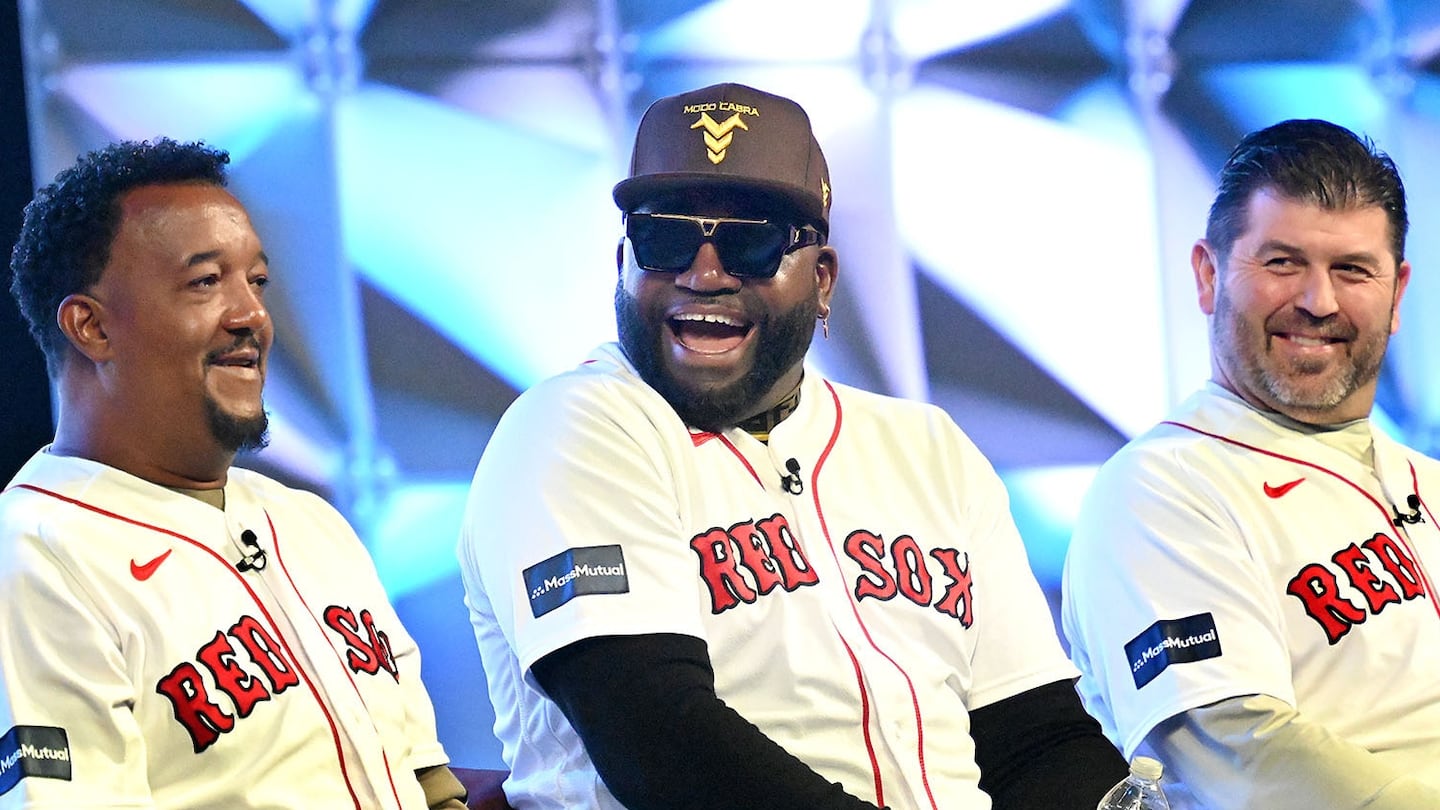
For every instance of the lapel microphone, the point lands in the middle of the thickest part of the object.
(792, 483)
(254, 559)
(1413, 516)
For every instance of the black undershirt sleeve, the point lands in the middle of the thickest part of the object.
(646, 709)
(1040, 749)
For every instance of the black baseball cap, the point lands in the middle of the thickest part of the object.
(728, 136)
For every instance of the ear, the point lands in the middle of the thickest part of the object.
(827, 270)
(620, 257)
(1205, 264)
(81, 318)
(1402, 278)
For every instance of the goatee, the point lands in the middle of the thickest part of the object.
(238, 434)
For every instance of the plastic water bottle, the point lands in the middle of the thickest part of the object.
(1138, 791)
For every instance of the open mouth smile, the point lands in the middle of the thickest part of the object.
(709, 333)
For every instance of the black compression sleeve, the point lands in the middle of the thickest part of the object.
(1040, 749)
(646, 709)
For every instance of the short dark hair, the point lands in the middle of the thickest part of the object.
(1311, 161)
(70, 224)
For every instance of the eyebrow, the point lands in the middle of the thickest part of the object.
(1359, 257)
(214, 255)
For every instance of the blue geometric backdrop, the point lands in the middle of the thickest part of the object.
(1017, 186)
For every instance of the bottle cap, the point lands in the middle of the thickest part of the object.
(1147, 768)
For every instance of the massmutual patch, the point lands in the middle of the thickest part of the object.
(40, 751)
(1172, 641)
(575, 572)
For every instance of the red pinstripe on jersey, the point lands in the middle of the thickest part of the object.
(1400, 536)
(855, 609)
(280, 557)
(1415, 488)
(230, 569)
(736, 451)
(865, 722)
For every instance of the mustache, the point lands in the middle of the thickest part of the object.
(249, 341)
(1330, 326)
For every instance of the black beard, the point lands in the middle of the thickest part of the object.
(782, 341)
(235, 434)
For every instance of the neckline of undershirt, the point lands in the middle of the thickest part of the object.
(214, 497)
(1353, 438)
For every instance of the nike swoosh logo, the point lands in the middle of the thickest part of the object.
(1276, 492)
(144, 572)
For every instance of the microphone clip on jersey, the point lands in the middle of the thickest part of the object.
(792, 482)
(1413, 516)
(254, 559)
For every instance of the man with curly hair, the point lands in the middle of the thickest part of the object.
(176, 632)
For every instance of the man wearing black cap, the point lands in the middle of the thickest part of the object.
(703, 576)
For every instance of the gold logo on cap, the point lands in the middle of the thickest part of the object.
(824, 193)
(718, 135)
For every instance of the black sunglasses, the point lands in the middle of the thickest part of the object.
(748, 248)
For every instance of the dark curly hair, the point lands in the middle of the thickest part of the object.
(1311, 161)
(68, 229)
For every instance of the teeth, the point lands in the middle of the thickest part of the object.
(1309, 341)
(720, 319)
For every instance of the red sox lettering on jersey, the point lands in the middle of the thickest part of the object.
(1337, 609)
(752, 558)
(368, 654)
(194, 697)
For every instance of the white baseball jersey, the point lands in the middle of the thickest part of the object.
(139, 668)
(1224, 553)
(854, 616)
